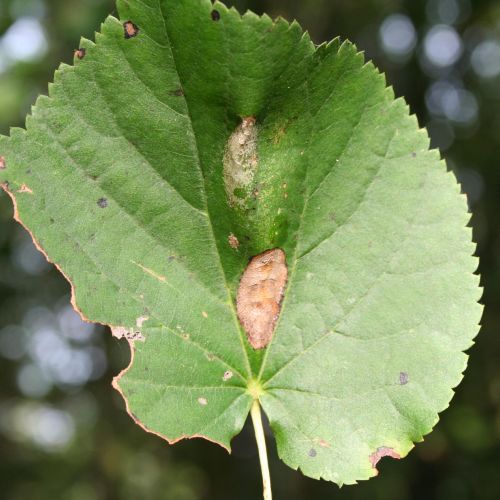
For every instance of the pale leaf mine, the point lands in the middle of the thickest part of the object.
(240, 162)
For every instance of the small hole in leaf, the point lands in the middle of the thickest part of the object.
(312, 453)
(215, 14)
(80, 53)
(102, 202)
(131, 30)
(403, 378)
(414, 155)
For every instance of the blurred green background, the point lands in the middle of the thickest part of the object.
(64, 433)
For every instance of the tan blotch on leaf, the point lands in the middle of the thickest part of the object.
(260, 294)
(25, 189)
(233, 241)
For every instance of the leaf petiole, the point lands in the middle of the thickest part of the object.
(261, 445)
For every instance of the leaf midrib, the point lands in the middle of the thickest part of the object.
(205, 199)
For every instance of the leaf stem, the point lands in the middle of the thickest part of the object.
(261, 445)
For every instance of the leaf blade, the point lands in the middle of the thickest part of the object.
(126, 154)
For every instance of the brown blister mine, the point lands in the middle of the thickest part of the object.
(260, 293)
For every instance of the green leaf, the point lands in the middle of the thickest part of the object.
(126, 178)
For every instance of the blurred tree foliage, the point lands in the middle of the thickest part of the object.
(63, 430)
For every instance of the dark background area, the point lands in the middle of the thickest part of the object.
(64, 433)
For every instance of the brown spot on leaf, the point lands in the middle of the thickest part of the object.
(203, 401)
(227, 375)
(130, 29)
(233, 241)
(3, 164)
(102, 202)
(215, 15)
(80, 53)
(177, 92)
(204, 314)
(260, 293)
(403, 378)
(323, 443)
(382, 451)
